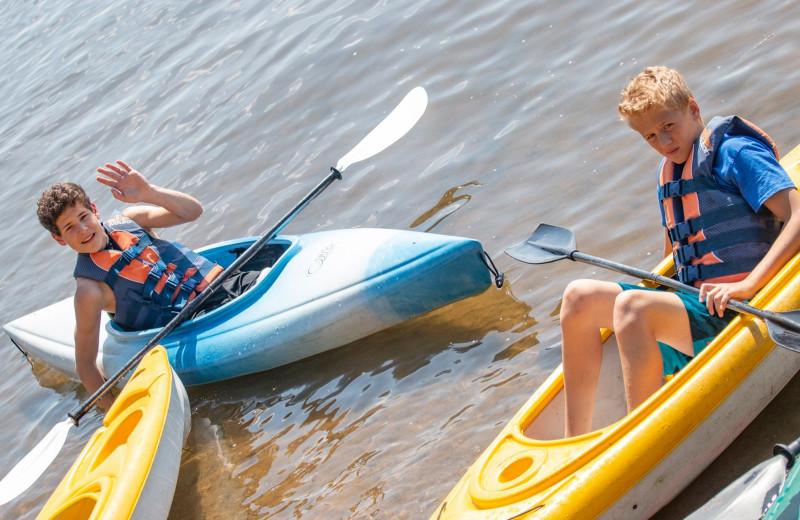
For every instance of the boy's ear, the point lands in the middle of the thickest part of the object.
(58, 239)
(694, 108)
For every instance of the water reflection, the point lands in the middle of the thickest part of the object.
(446, 206)
(284, 441)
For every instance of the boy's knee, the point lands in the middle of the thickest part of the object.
(576, 297)
(630, 308)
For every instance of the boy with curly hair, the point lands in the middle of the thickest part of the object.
(123, 267)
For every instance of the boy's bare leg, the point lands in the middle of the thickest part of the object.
(588, 306)
(641, 320)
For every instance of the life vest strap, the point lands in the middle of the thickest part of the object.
(685, 254)
(153, 277)
(125, 258)
(178, 292)
(681, 187)
(167, 297)
(692, 273)
(687, 228)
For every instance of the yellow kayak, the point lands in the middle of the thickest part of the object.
(129, 467)
(630, 466)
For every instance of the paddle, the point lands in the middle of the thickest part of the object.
(393, 127)
(752, 494)
(551, 243)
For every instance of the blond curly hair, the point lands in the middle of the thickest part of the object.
(654, 87)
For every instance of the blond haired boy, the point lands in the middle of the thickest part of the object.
(730, 214)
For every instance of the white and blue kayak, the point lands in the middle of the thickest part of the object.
(319, 291)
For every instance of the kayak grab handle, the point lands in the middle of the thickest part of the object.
(499, 277)
(790, 452)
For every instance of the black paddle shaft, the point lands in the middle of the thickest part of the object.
(190, 307)
(674, 284)
(550, 243)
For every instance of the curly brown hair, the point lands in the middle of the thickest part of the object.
(659, 87)
(55, 200)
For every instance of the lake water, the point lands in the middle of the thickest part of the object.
(246, 104)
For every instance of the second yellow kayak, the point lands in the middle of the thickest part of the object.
(129, 467)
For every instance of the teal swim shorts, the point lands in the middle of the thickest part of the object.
(704, 328)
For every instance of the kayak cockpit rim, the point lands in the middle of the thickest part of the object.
(273, 256)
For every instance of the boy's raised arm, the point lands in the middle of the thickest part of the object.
(165, 207)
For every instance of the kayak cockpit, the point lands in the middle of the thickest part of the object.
(267, 261)
(546, 422)
(225, 253)
(534, 457)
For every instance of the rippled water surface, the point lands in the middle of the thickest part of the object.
(246, 104)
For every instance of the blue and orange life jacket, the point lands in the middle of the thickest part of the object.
(152, 279)
(716, 236)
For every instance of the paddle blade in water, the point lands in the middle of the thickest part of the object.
(34, 463)
(748, 497)
(396, 125)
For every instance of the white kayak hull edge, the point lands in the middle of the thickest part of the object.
(705, 443)
(159, 489)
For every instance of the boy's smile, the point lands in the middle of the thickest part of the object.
(671, 133)
(81, 230)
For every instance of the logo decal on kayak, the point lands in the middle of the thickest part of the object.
(316, 265)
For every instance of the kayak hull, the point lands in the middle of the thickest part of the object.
(322, 290)
(129, 467)
(787, 503)
(632, 465)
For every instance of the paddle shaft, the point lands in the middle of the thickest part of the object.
(190, 307)
(674, 284)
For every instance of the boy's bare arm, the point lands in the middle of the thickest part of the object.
(165, 207)
(89, 304)
(786, 206)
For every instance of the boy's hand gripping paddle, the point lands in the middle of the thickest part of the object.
(551, 243)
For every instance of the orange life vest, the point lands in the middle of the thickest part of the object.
(716, 236)
(152, 279)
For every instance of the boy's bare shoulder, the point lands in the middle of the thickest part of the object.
(91, 296)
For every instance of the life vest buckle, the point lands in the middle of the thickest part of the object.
(690, 273)
(685, 254)
(671, 190)
(682, 230)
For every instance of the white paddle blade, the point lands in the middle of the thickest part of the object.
(34, 463)
(396, 125)
(748, 497)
